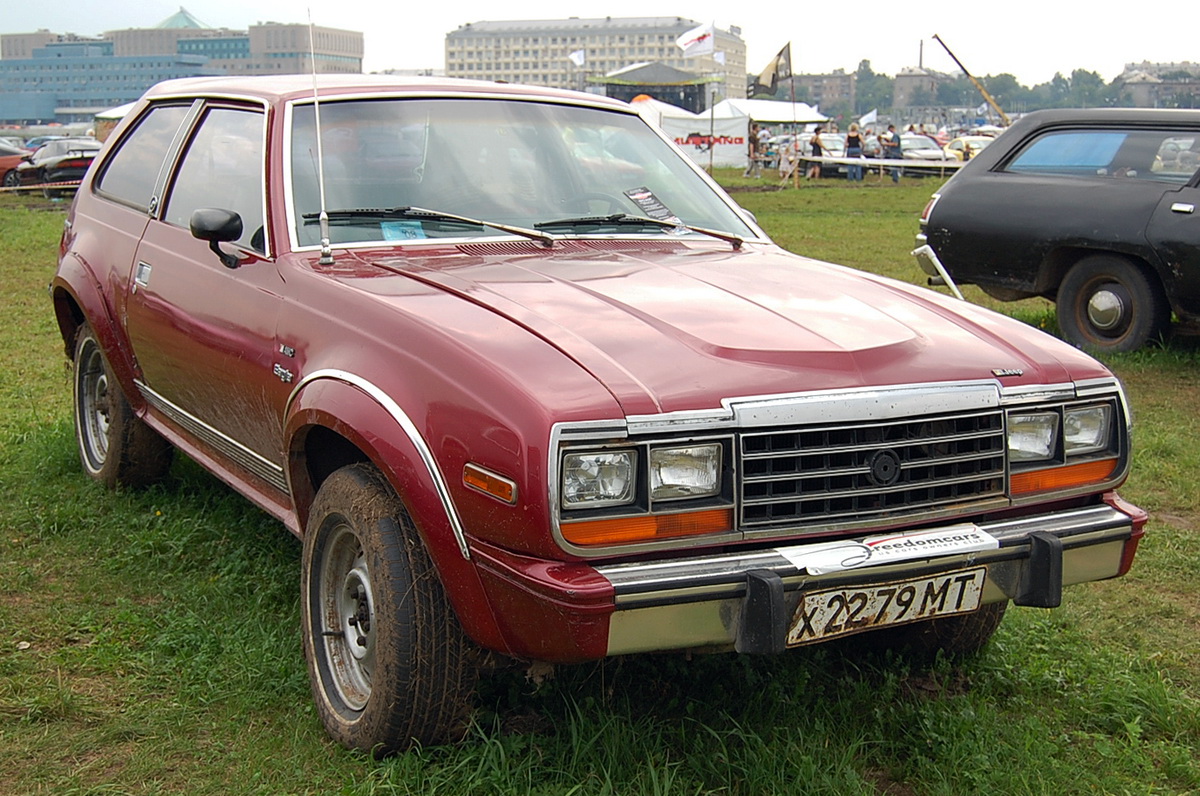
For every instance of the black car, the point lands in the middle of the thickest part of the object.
(1094, 209)
(64, 160)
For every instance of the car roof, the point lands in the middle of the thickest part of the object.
(277, 88)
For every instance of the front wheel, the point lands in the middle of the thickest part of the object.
(388, 663)
(115, 446)
(1106, 303)
(12, 179)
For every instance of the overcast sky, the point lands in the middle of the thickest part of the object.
(1031, 40)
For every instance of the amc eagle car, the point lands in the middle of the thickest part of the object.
(1094, 209)
(524, 380)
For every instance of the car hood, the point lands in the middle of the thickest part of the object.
(680, 327)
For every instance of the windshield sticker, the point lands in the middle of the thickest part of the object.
(649, 204)
(402, 230)
(817, 559)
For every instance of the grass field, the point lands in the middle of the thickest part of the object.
(149, 641)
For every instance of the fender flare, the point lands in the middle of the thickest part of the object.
(361, 412)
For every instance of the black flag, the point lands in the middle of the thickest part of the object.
(780, 68)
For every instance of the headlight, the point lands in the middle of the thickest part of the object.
(1032, 437)
(1087, 429)
(694, 471)
(599, 478)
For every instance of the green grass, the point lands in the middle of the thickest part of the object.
(149, 641)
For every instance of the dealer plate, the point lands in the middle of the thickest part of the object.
(832, 613)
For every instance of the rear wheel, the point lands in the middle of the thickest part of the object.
(115, 446)
(388, 663)
(1106, 303)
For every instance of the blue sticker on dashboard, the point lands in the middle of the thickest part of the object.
(402, 230)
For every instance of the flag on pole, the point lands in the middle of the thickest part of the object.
(697, 41)
(869, 118)
(780, 68)
(579, 57)
(719, 57)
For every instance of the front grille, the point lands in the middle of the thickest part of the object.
(825, 475)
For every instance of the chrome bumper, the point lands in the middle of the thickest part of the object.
(698, 602)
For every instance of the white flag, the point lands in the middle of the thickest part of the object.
(869, 118)
(579, 57)
(982, 109)
(697, 41)
(719, 57)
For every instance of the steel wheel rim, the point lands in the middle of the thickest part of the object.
(95, 407)
(347, 626)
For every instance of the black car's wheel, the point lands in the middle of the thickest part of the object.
(955, 636)
(388, 662)
(115, 446)
(1106, 303)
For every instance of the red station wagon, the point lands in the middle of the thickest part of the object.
(524, 379)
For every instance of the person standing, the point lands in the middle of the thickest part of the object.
(854, 149)
(818, 150)
(891, 150)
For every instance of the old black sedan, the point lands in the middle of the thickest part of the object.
(1094, 209)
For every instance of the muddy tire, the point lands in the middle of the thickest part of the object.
(1106, 303)
(954, 636)
(388, 662)
(115, 446)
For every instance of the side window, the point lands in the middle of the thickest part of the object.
(1143, 154)
(223, 167)
(130, 174)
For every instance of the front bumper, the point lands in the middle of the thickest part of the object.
(575, 611)
(702, 602)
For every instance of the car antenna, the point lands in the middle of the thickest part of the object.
(323, 218)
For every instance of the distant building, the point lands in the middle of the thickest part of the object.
(914, 85)
(50, 77)
(835, 88)
(569, 53)
(1161, 85)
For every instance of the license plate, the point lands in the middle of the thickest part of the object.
(832, 613)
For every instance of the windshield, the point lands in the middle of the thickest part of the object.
(518, 163)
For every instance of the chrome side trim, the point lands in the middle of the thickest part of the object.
(410, 429)
(246, 458)
(724, 575)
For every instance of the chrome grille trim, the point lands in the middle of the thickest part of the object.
(820, 475)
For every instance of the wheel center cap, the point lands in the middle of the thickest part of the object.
(1105, 309)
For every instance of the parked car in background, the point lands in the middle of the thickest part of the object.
(62, 160)
(914, 146)
(545, 392)
(1095, 209)
(10, 158)
(958, 148)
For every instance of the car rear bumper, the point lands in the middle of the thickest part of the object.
(559, 611)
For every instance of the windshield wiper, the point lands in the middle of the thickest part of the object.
(624, 219)
(545, 238)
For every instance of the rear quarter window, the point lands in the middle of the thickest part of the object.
(1159, 155)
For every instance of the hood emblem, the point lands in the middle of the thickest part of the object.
(1002, 372)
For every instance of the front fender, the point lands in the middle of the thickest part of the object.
(372, 422)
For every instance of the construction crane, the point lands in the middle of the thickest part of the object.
(988, 97)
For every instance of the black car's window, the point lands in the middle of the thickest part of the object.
(130, 174)
(1161, 155)
(223, 167)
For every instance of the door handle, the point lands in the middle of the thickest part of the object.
(1183, 207)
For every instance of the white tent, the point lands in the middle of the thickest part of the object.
(768, 111)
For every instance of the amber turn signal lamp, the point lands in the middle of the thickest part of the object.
(651, 528)
(1061, 477)
(489, 483)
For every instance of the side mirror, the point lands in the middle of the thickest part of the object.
(217, 226)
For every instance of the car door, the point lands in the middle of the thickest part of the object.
(203, 333)
(1174, 233)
